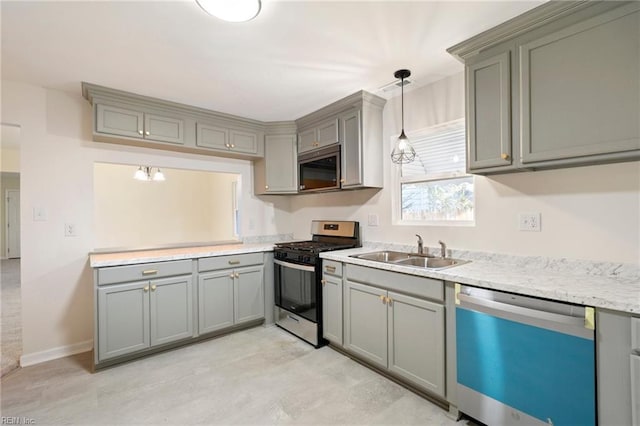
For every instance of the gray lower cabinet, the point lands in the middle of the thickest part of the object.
(139, 315)
(401, 333)
(332, 302)
(230, 297)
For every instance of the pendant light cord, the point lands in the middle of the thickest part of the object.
(402, 101)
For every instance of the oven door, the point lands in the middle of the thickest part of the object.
(296, 289)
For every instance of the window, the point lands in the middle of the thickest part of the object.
(434, 188)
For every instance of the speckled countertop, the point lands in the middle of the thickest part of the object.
(596, 284)
(99, 260)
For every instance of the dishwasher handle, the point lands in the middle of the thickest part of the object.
(549, 320)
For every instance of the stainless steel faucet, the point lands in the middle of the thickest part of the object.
(443, 249)
(420, 245)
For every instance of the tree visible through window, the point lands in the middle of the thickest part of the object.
(435, 187)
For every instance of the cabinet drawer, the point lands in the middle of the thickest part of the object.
(233, 261)
(120, 274)
(332, 268)
(408, 284)
(635, 334)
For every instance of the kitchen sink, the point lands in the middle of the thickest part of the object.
(431, 262)
(410, 259)
(383, 256)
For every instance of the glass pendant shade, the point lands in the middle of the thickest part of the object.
(140, 174)
(158, 176)
(231, 10)
(402, 152)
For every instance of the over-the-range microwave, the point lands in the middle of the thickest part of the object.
(320, 170)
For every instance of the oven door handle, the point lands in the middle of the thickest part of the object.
(295, 266)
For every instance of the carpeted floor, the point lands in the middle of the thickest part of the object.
(10, 318)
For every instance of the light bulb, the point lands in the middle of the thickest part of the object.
(158, 176)
(403, 152)
(140, 174)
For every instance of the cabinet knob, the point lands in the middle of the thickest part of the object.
(153, 287)
(227, 145)
(140, 132)
(342, 180)
(266, 187)
(237, 275)
(382, 298)
(232, 275)
(146, 288)
(323, 282)
(233, 145)
(147, 133)
(389, 301)
(504, 156)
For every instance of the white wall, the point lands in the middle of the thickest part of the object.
(57, 158)
(587, 212)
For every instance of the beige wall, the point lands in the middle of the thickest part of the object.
(189, 206)
(57, 160)
(10, 160)
(587, 212)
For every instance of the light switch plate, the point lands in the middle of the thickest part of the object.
(39, 214)
(373, 220)
(529, 222)
(70, 230)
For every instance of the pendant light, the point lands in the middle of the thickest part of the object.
(402, 152)
(231, 10)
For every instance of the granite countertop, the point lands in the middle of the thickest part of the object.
(99, 260)
(580, 282)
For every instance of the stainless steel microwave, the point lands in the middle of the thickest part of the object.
(320, 170)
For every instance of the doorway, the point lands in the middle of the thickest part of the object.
(10, 251)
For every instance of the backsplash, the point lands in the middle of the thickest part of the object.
(562, 265)
(266, 239)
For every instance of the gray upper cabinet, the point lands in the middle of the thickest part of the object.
(555, 87)
(489, 112)
(352, 167)
(318, 136)
(243, 141)
(580, 89)
(119, 121)
(138, 124)
(277, 173)
(214, 137)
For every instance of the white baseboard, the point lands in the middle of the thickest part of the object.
(55, 353)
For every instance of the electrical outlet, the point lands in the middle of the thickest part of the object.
(39, 214)
(70, 230)
(529, 222)
(373, 220)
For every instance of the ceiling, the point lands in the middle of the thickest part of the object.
(294, 58)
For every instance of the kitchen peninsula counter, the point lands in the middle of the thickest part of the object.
(597, 284)
(121, 258)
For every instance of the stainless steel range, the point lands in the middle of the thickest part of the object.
(298, 275)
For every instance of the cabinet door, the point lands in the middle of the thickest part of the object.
(350, 124)
(489, 112)
(332, 309)
(365, 322)
(123, 319)
(164, 129)
(579, 89)
(119, 121)
(327, 133)
(171, 309)
(243, 142)
(307, 140)
(635, 390)
(248, 294)
(281, 164)
(212, 137)
(416, 341)
(215, 301)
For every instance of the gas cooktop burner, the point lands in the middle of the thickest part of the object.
(312, 246)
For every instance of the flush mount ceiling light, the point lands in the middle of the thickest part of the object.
(144, 174)
(231, 10)
(402, 152)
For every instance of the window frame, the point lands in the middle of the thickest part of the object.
(399, 181)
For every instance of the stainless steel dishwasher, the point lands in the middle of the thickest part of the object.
(523, 360)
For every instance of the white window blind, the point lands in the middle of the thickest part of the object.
(434, 187)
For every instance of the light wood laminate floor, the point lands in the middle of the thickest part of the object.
(10, 317)
(260, 376)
